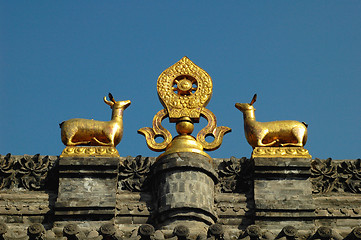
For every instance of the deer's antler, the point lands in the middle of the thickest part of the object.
(110, 103)
(253, 99)
(111, 98)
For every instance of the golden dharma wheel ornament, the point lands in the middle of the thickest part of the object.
(184, 90)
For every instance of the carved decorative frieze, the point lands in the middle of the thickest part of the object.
(235, 175)
(231, 208)
(133, 173)
(11, 208)
(33, 171)
(7, 174)
(338, 212)
(323, 175)
(28, 172)
(331, 176)
(138, 207)
(350, 175)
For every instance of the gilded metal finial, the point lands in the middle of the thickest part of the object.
(184, 90)
(101, 136)
(270, 139)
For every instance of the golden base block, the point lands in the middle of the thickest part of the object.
(91, 151)
(280, 152)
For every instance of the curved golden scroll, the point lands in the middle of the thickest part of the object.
(157, 131)
(211, 130)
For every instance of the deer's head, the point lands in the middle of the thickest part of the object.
(243, 107)
(116, 104)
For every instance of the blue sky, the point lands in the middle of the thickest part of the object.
(59, 59)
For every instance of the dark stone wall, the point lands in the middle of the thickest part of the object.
(180, 196)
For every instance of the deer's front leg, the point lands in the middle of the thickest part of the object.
(261, 144)
(110, 143)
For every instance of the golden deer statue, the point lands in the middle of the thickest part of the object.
(277, 133)
(79, 131)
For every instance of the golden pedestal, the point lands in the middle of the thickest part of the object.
(280, 152)
(91, 151)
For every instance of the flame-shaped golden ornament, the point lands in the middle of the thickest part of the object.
(184, 90)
